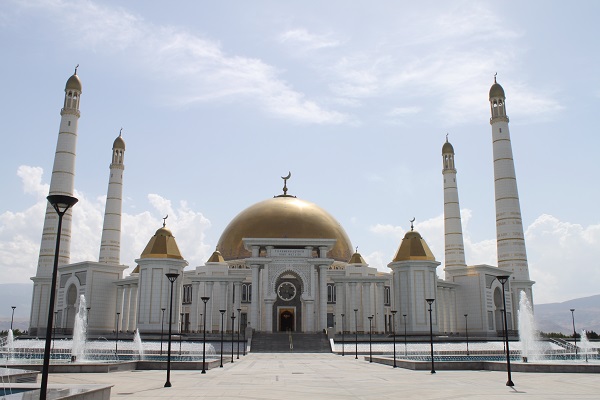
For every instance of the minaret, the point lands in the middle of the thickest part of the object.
(510, 240)
(62, 182)
(453, 236)
(110, 244)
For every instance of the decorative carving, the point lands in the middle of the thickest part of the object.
(302, 270)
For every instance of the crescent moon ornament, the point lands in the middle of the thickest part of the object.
(411, 224)
(289, 175)
(165, 220)
(285, 178)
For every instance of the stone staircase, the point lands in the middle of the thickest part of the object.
(290, 343)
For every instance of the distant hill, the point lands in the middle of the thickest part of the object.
(556, 317)
(551, 317)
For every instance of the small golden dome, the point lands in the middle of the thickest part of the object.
(136, 270)
(413, 247)
(119, 143)
(447, 148)
(496, 90)
(73, 83)
(216, 257)
(357, 259)
(162, 245)
(283, 217)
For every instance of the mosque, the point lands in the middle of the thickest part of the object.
(283, 264)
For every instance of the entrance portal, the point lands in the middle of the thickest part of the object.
(286, 319)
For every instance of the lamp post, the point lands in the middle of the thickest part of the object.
(244, 339)
(405, 347)
(117, 337)
(574, 331)
(171, 277)
(54, 333)
(356, 332)
(222, 332)
(87, 316)
(430, 302)
(343, 334)
(205, 300)
(394, 334)
(467, 332)
(232, 332)
(12, 317)
(239, 310)
(162, 329)
(503, 279)
(180, 331)
(370, 332)
(61, 205)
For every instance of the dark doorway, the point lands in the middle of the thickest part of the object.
(286, 320)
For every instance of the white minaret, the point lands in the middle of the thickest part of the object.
(453, 236)
(110, 244)
(62, 182)
(510, 240)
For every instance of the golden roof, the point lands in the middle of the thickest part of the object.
(73, 83)
(447, 148)
(216, 257)
(136, 270)
(119, 143)
(162, 245)
(283, 217)
(413, 247)
(357, 259)
(496, 90)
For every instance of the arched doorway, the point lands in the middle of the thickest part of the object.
(286, 320)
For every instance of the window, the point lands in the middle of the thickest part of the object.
(246, 292)
(331, 293)
(387, 296)
(187, 294)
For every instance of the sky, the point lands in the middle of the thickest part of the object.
(218, 100)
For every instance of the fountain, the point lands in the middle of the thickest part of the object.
(586, 346)
(80, 332)
(137, 341)
(531, 348)
(10, 344)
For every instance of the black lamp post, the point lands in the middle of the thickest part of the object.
(356, 332)
(222, 332)
(370, 332)
(12, 317)
(54, 333)
(172, 277)
(244, 339)
(205, 300)
(180, 331)
(162, 329)
(430, 302)
(394, 334)
(503, 279)
(232, 332)
(117, 337)
(61, 205)
(574, 331)
(239, 310)
(405, 347)
(343, 334)
(467, 332)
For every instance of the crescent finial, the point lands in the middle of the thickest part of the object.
(165, 220)
(285, 178)
(412, 228)
(77, 66)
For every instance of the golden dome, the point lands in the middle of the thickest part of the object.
(73, 83)
(496, 90)
(162, 245)
(119, 143)
(357, 259)
(413, 247)
(283, 217)
(447, 148)
(216, 257)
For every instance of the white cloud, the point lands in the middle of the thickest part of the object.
(401, 111)
(305, 41)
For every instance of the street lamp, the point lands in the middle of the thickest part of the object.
(343, 334)
(117, 337)
(239, 310)
(171, 277)
(13, 316)
(394, 334)
(205, 300)
(430, 302)
(54, 335)
(180, 331)
(222, 332)
(61, 205)
(356, 332)
(162, 329)
(370, 332)
(405, 348)
(232, 332)
(467, 333)
(503, 279)
(574, 331)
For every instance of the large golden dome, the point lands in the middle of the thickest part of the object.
(283, 217)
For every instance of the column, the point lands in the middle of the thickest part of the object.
(452, 301)
(380, 311)
(209, 306)
(194, 314)
(340, 304)
(255, 296)
(133, 303)
(126, 308)
(353, 305)
(268, 315)
(322, 297)
(119, 303)
(310, 315)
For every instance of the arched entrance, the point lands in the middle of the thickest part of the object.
(286, 320)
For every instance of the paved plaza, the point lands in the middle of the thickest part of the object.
(328, 376)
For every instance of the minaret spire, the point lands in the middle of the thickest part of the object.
(510, 240)
(62, 182)
(453, 236)
(110, 244)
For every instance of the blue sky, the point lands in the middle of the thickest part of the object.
(217, 100)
